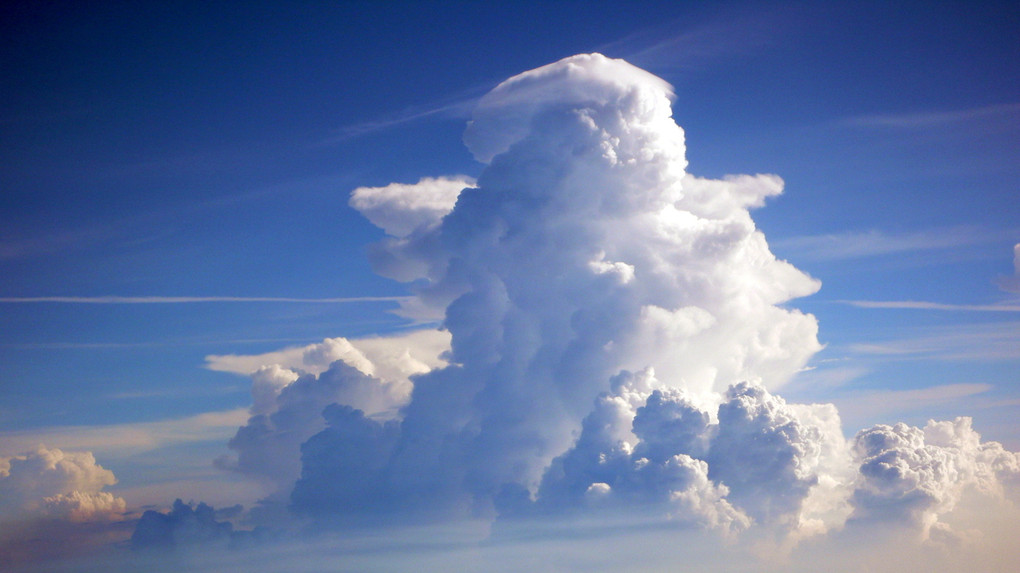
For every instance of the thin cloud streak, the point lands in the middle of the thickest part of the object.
(871, 243)
(653, 48)
(459, 108)
(661, 47)
(976, 342)
(932, 119)
(874, 404)
(925, 305)
(194, 299)
(115, 441)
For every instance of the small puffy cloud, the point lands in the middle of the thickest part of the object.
(765, 461)
(1012, 283)
(266, 384)
(401, 209)
(287, 411)
(332, 349)
(916, 475)
(371, 375)
(50, 483)
(634, 452)
(82, 506)
(771, 455)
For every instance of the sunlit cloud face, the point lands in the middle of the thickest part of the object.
(49, 483)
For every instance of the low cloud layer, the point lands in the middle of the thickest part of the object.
(614, 335)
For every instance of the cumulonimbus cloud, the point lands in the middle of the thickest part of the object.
(617, 334)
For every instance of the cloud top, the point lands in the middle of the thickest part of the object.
(504, 116)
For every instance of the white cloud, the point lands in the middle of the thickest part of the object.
(396, 357)
(917, 475)
(291, 388)
(871, 243)
(585, 251)
(635, 451)
(1012, 283)
(50, 483)
(505, 115)
(876, 403)
(921, 120)
(965, 342)
(401, 209)
(120, 440)
(584, 254)
(924, 305)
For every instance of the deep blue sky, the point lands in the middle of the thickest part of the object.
(208, 150)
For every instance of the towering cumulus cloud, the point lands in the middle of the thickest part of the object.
(50, 483)
(616, 339)
(583, 250)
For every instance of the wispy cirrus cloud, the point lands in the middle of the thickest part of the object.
(117, 440)
(967, 342)
(873, 242)
(927, 119)
(456, 107)
(926, 305)
(680, 45)
(877, 403)
(55, 242)
(655, 47)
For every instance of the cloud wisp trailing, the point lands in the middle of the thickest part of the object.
(927, 305)
(874, 243)
(923, 120)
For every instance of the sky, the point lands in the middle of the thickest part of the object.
(330, 271)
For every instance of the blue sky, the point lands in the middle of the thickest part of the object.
(152, 152)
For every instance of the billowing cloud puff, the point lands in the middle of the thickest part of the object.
(402, 209)
(763, 460)
(287, 411)
(1012, 283)
(50, 483)
(344, 464)
(915, 475)
(506, 115)
(266, 384)
(291, 388)
(773, 456)
(635, 451)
